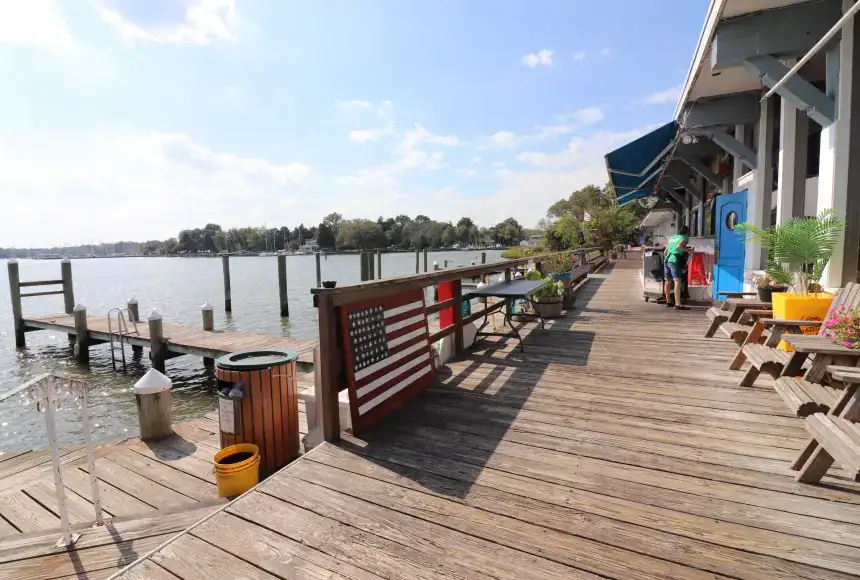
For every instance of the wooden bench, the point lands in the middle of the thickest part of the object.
(838, 442)
(731, 310)
(805, 398)
(763, 359)
(595, 259)
(740, 330)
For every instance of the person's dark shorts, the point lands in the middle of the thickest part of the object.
(670, 271)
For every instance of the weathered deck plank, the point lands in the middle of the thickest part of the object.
(618, 445)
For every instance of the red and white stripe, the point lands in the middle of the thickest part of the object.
(408, 357)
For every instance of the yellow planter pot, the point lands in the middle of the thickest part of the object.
(792, 306)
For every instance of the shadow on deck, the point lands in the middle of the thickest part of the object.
(618, 445)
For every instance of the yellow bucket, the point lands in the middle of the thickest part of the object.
(237, 469)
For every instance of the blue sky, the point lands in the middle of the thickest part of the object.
(138, 118)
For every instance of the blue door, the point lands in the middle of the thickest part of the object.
(731, 210)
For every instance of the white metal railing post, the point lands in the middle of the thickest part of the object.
(81, 390)
(46, 401)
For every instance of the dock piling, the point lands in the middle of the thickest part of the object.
(228, 302)
(15, 294)
(208, 312)
(82, 335)
(371, 272)
(282, 285)
(134, 314)
(68, 288)
(319, 269)
(425, 259)
(154, 412)
(379, 263)
(483, 257)
(417, 261)
(362, 259)
(157, 348)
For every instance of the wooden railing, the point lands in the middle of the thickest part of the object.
(330, 367)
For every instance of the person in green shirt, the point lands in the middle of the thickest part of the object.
(675, 252)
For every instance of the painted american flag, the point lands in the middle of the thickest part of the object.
(388, 356)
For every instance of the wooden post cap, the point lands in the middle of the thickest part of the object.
(65, 261)
(132, 300)
(154, 315)
(207, 306)
(11, 261)
(78, 307)
(152, 382)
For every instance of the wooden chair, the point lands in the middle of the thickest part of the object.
(835, 435)
(731, 309)
(766, 357)
(740, 330)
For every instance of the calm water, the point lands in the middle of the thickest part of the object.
(176, 287)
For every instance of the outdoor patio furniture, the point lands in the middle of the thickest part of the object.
(731, 310)
(835, 435)
(767, 358)
(510, 291)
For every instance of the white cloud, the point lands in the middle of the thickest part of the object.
(161, 179)
(581, 150)
(476, 159)
(466, 171)
(539, 58)
(33, 23)
(669, 95)
(195, 22)
(371, 135)
(503, 140)
(579, 55)
(605, 51)
(499, 164)
(419, 135)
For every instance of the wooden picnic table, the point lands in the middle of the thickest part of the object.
(826, 354)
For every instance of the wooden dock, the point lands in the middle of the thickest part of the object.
(150, 491)
(178, 339)
(618, 446)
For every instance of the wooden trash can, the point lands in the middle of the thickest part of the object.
(258, 403)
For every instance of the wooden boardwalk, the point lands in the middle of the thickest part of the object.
(180, 339)
(617, 446)
(151, 491)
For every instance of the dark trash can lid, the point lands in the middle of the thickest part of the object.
(256, 359)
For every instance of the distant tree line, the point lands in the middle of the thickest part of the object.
(333, 233)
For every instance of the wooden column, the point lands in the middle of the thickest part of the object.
(82, 335)
(417, 261)
(133, 309)
(362, 264)
(228, 302)
(68, 289)
(458, 316)
(445, 264)
(379, 263)
(282, 285)
(134, 314)
(370, 270)
(17, 309)
(483, 257)
(425, 259)
(319, 269)
(329, 368)
(154, 409)
(208, 315)
(157, 348)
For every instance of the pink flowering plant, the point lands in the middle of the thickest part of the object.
(844, 328)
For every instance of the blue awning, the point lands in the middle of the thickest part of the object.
(635, 167)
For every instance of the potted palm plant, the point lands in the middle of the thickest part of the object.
(798, 251)
(547, 300)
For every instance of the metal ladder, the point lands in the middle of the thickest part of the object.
(122, 331)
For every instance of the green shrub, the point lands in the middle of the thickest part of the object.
(523, 252)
